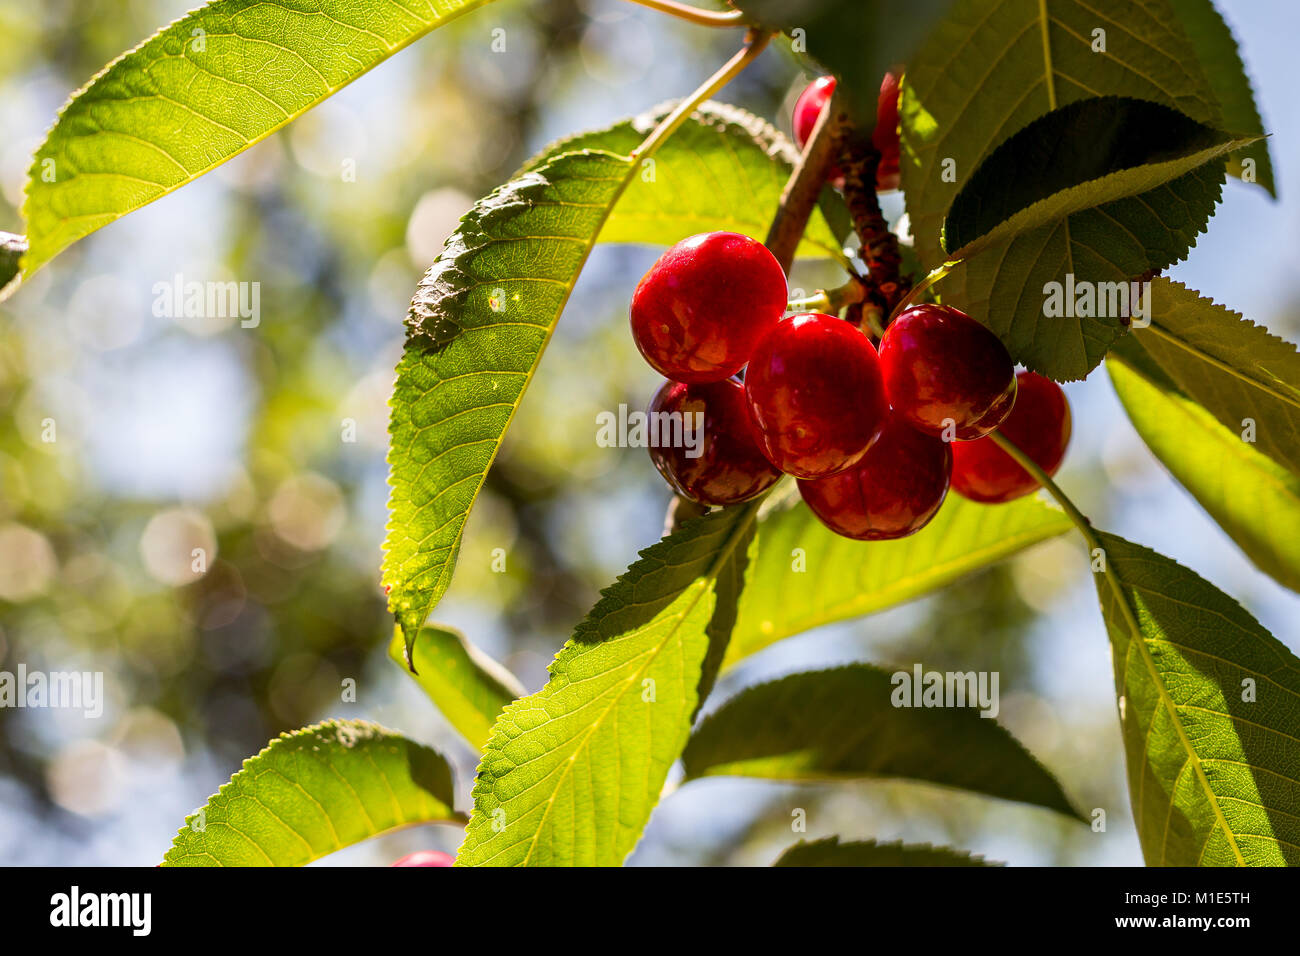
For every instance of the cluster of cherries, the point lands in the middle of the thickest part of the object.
(875, 438)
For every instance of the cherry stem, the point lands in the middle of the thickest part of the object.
(755, 42)
(802, 189)
(1085, 528)
(920, 288)
(1053, 489)
(886, 284)
(704, 18)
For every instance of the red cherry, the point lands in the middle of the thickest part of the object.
(807, 109)
(701, 308)
(815, 395)
(426, 858)
(885, 135)
(892, 492)
(1039, 425)
(728, 467)
(943, 369)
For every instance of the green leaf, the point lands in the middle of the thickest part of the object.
(846, 724)
(1254, 499)
(1086, 154)
(1141, 216)
(314, 791)
(468, 687)
(12, 249)
(476, 331)
(1236, 369)
(572, 772)
(1217, 51)
(1209, 707)
(198, 92)
(844, 579)
(486, 309)
(857, 40)
(831, 852)
(723, 170)
(990, 67)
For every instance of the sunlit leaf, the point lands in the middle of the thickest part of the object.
(571, 773)
(468, 687)
(1253, 498)
(1209, 706)
(803, 576)
(200, 91)
(314, 791)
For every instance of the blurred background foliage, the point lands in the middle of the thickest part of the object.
(176, 434)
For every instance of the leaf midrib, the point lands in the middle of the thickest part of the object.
(1136, 637)
(724, 554)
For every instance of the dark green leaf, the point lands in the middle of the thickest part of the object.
(831, 852)
(847, 723)
(857, 40)
(1217, 51)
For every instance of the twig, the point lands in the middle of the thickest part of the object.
(885, 283)
(799, 197)
(704, 18)
(755, 41)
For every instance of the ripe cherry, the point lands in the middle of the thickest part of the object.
(807, 109)
(1039, 425)
(699, 311)
(884, 137)
(815, 395)
(945, 373)
(719, 464)
(426, 858)
(892, 492)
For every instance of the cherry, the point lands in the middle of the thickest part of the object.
(729, 466)
(699, 311)
(892, 492)
(945, 373)
(815, 395)
(426, 858)
(807, 109)
(1039, 425)
(884, 137)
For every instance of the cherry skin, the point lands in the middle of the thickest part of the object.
(945, 373)
(807, 109)
(892, 492)
(884, 137)
(727, 466)
(426, 858)
(1039, 425)
(815, 395)
(699, 311)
